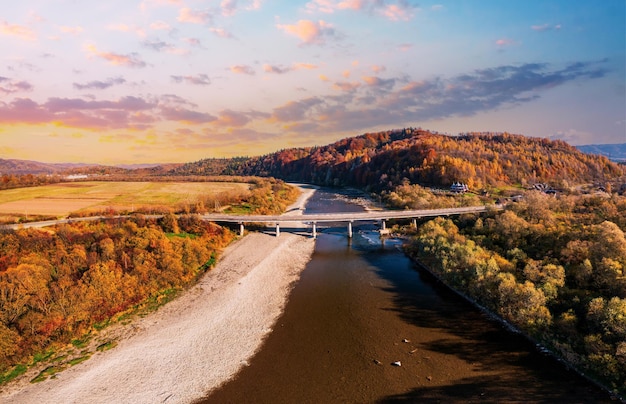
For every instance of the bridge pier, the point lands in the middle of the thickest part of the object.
(414, 223)
(277, 229)
(350, 229)
(383, 224)
(314, 230)
(241, 229)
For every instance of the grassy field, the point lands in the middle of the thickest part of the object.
(61, 200)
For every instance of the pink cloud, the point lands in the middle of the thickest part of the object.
(229, 7)
(230, 118)
(18, 31)
(401, 10)
(8, 86)
(242, 69)
(160, 26)
(194, 16)
(222, 33)
(130, 60)
(186, 115)
(505, 42)
(329, 6)
(398, 12)
(282, 70)
(346, 86)
(309, 32)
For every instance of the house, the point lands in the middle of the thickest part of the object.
(459, 187)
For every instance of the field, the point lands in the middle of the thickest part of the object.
(61, 200)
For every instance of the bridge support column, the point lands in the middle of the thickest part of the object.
(314, 230)
(349, 229)
(414, 223)
(277, 229)
(240, 229)
(383, 224)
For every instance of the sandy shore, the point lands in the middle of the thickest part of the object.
(195, 343)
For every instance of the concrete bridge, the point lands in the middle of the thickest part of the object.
(299, 217)
(295, 216)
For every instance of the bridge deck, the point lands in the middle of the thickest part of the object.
(349, 217)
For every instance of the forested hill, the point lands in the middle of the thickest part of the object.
(383, 160)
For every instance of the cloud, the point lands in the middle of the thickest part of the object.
(130, 60)
(346, 86)
(401, 10)
(545, 27)
(198, 80)
(160, 26)
(194, 16)
(161, 46)
(127, 28)
(9, 86)
(18, 31)
(100, 85)
(222, 33)
(505, 42)
(295, 110)
(229, 7)
(145, 4)
(124, 113)
(76, 113)
(242, 69)
(309, 32)
(282, 70)
(186, 115)
(373, 81)
(230, 118)
(396, 101)
(193, 41)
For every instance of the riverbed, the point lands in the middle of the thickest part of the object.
(363, 324)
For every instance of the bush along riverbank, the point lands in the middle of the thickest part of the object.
(553, 268)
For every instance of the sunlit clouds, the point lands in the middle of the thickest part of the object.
(309, 32)
(181, 80)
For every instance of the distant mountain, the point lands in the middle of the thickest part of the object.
(20, 167)
(615, 152)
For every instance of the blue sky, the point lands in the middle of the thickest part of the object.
(180, 80)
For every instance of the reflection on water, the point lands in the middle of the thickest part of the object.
(361, 306)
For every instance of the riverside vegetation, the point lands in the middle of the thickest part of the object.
(60, 285)
(554, 268)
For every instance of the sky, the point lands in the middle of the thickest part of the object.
(164, 81)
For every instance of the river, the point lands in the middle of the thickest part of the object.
(361, 308)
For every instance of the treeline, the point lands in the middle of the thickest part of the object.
(56, 284)
(553, 267)
(384, 160)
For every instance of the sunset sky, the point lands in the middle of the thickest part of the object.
(123, 81)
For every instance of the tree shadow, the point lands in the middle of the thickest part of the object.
(517, 370)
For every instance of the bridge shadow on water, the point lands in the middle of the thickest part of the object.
(497, 365)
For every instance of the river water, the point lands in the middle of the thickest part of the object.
(361, 308)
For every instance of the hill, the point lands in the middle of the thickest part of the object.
(615, 152)
(384, 160)
(21, 167)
